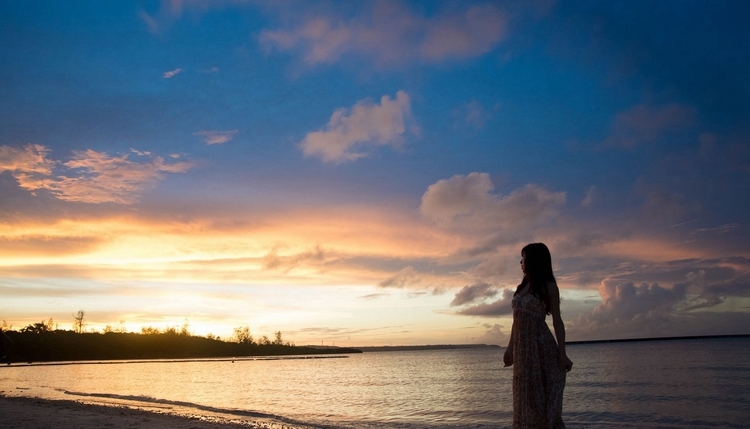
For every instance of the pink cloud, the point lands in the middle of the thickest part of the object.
(89, 176)
(390, 33)
(467, 202)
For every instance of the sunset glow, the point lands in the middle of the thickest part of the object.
(366, 173)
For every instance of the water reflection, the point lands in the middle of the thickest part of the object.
(678, 384)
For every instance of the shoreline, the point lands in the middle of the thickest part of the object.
(36, 413)
(125, 361)
(647, 339)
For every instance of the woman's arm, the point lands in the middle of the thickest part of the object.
(557, 323)
(508, 356)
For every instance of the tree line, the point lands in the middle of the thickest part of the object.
(45, 342)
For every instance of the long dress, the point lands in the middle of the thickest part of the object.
(538, 379)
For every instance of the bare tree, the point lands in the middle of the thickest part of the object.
(78, 322)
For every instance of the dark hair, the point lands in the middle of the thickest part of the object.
(538, 262)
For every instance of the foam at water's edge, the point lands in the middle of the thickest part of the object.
(148, 402)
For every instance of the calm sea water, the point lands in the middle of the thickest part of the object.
(659, 384)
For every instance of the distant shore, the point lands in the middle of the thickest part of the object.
(368, 349)
(424, 347)
(691, 337)
(34, 413)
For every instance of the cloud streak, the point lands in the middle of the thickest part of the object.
(216, 136)
(172, 73)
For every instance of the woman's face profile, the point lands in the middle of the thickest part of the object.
(523, 262)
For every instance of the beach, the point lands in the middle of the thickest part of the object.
(33, 413)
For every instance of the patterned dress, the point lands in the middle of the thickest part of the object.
(538, 379)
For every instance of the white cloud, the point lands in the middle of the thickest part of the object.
(467, 202)
(216, 137)
(172, 73)
(350, 131)
(89, 176)
(390, 33)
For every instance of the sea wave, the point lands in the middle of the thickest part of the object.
(186, 408)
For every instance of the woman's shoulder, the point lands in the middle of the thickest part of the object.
(552, 287)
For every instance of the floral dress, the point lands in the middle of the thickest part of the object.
(538, 378)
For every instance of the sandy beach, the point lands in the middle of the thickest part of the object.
(33, 413)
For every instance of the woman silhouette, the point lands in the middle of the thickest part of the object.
(539, 363)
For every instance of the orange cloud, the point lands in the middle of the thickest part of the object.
(649, 249)
(311, 246)
(28, 164)
(90, 176)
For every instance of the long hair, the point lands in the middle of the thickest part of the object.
(538, 262)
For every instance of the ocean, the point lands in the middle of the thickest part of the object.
(698, 383)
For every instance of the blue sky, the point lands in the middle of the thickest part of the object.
(366, 173)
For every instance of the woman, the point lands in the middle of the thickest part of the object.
(539, 363)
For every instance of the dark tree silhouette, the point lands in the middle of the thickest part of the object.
(78, 322)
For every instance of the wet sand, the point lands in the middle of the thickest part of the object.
(33, 413)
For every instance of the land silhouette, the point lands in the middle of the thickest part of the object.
(41, 342)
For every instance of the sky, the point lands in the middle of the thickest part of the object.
(366, 173)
